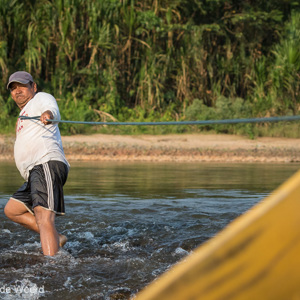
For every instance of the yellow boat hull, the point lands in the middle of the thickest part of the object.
(257, 256)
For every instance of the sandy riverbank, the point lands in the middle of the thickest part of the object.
(189, 147)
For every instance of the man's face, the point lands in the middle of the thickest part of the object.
(22, 93)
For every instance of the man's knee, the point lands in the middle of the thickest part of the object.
(7, 211)
(44, 217)
(12, 209)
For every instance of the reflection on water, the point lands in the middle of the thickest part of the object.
(127, 223)
(159, 179)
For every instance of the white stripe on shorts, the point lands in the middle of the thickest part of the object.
(49, 186)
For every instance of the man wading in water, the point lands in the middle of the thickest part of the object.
(41, 161)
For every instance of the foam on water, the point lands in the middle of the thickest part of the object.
(106, 259)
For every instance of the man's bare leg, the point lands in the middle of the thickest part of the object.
(48, 234)
(17, 212)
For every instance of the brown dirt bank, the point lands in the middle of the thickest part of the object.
(190, 147)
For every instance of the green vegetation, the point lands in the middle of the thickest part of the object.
(156, 60)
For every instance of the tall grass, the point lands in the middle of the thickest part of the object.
(151, 60)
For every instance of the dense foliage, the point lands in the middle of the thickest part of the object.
(155, 60)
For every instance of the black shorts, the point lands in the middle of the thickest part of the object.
(44, 187)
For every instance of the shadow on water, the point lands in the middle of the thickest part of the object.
(127, 223)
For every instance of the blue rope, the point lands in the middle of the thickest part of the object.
(206, 122)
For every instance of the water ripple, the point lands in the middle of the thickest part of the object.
(118, 240)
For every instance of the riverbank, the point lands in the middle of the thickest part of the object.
(188, 147)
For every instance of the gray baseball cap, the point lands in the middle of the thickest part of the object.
(21, 77)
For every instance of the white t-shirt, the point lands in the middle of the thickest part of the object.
(37, 143)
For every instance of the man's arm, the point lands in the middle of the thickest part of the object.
(46, 115)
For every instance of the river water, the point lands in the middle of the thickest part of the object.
(127, 223)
